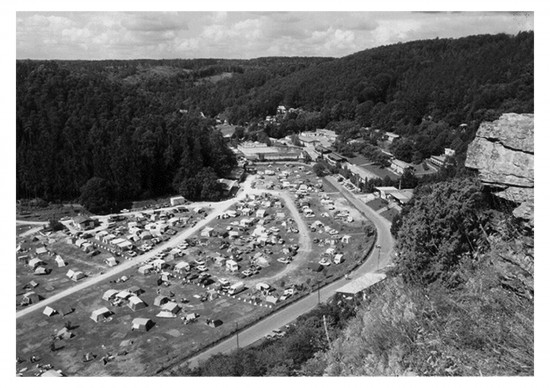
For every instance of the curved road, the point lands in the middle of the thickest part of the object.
(217, 209)
(377, 259)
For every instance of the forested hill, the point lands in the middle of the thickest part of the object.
(127, 124)
(136, 125)
(394, 87)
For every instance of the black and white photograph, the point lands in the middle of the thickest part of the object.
(273, 193)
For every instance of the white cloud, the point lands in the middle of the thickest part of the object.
(126, 35)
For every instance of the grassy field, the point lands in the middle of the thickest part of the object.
(56, 280)
(377, 204)
(144, 353)
(389, 214)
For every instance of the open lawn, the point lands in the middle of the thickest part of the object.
(377, 204)
(389, 214)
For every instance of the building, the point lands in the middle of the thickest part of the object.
(334, 158)
(356, 288)
(401, 196)
(385, 191)
(175, 201)
(399, 166)
(83, 223)
(392, 136)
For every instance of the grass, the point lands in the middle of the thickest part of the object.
(169, 340)
(389, 214)
(377, 204)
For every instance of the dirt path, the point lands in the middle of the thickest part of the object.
(305, 241)
(216, 209)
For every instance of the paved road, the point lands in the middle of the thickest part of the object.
(378, 258)
(305, 243)
(217, 209)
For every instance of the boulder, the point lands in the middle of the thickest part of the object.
(503, 154)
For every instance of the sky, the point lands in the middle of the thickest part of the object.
(157, 35)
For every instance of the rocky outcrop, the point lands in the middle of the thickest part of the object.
(503, 153)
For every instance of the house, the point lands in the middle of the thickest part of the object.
(30, 298)
(333, 158)
(111, 261)
(357, 287)
(401, 196)
(48, 311)
(109, 294)
(83, 223)
(101, 314)
(175, 201)
(60, 262)
(399, 166)
(392, 136)
(135, 303)
(160, 300)
(385, 191)
(172, 307)
(142, 324)
(231, 265)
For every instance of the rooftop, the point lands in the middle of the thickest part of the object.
(361, 283)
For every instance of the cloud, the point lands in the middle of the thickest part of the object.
(126, 35)
(147, 21)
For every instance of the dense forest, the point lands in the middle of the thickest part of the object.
(144, 128)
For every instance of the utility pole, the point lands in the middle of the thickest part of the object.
(319, 293)
(237, 326)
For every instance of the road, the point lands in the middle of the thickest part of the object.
(216, 209)
(305, 242)
(378, 258)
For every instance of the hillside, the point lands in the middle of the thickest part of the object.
(122, 121)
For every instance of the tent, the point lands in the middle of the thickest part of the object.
(142, 324)
(60, 262)
(64, 334)
(100, 314)
(48, 311)
(109, 294)
(214, 322)
(41, 271)
(145, 269)
(182, 266)
(136, 290)
(166, 314)
(136, 303)
(160, 300)
(31, 297)
(171, 307)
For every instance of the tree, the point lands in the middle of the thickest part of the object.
(97, 195)
(319, 170)
(441, 230)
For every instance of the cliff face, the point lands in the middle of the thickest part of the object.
(503, 153)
